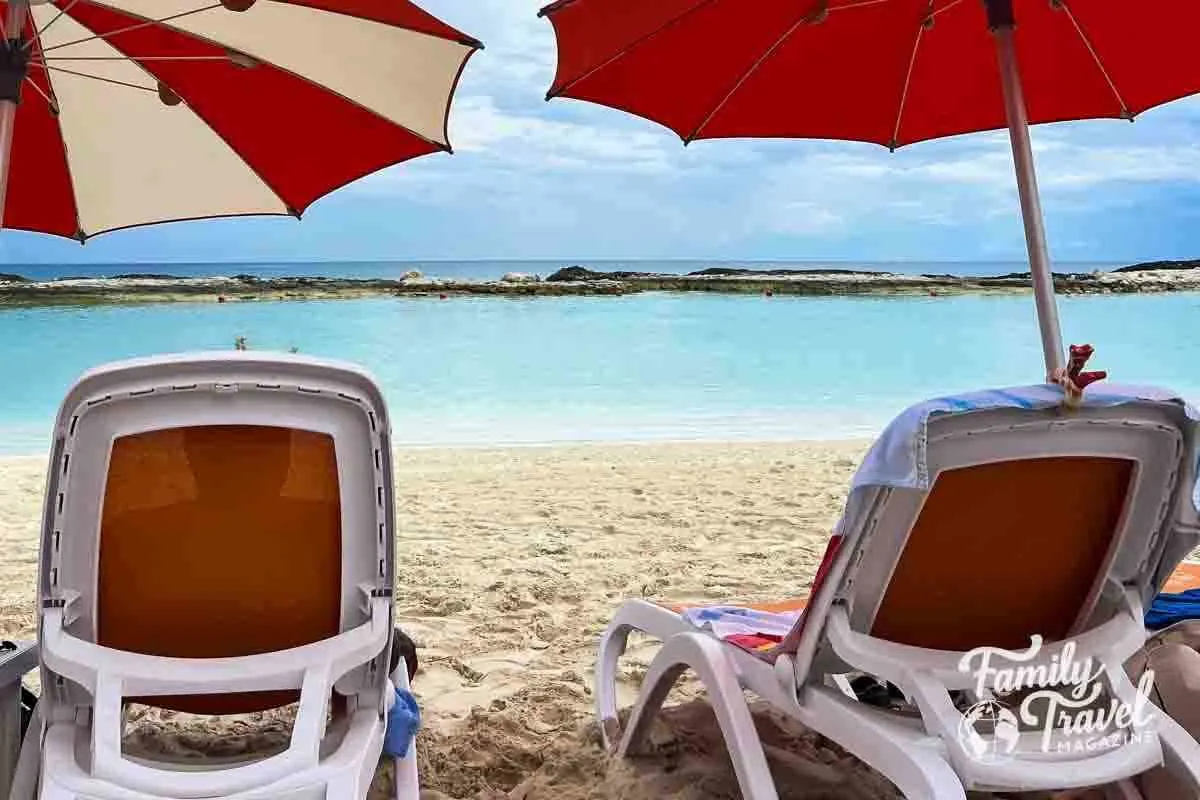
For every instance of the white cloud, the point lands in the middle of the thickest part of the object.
(540, 141)
(964, 182)
(585, 168)
(805, 218)
(1084, 167)
(519, 46)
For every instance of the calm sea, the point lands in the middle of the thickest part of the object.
(644, 367)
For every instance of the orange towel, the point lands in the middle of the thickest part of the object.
(1186, 577)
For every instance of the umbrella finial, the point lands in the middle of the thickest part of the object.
(1000, 14)
(1073, 379)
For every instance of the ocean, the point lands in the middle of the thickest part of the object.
(653, 366)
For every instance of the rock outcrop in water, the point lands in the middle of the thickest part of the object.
(520, 277)
(1152, 266)
(737, 271)
(580, 274)
(15, 289)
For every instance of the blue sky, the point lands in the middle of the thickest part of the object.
(565, 180)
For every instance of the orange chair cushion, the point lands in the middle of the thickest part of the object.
(220, 541)
(1003, 551)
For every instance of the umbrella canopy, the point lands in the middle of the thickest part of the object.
(892, 72)
(130, 112)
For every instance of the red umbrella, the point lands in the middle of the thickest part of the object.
(115, 113)
(892, 72)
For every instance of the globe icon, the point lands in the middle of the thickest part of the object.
(989, 731)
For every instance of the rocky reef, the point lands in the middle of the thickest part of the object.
(1159, 276)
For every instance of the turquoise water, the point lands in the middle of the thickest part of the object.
(649, 366)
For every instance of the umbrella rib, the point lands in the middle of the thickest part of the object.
(53, 105)
(566, 87)
(100, 78)
(816, 12)
(148, 23)
(857, 4)
(54, 19)
(1096, 57)
(944, 8)
(139, 58)
(912, 62)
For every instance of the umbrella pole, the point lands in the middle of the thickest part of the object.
(1031, 206)
(14, 24)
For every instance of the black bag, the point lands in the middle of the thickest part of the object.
(403, 646)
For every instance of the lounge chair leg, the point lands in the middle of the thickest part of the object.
(612, 647)
(920, 771)
(633, 615)
(706, 658)
(408, 786)
(25, 777)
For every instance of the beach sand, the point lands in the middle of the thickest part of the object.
(510, 563)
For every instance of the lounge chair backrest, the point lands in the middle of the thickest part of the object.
(1027, 538)
(1028, 516)
(207, 532)
(219, 506)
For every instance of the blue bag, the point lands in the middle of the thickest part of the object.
(403, 722)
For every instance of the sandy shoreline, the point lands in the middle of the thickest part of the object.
(510, 562)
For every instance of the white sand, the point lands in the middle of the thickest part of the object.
(510, 564)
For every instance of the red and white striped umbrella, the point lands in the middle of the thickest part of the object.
(117, 113)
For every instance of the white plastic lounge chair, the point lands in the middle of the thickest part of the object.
(977, 521)
(218, 539)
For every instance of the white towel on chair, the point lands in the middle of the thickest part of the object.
(725, 621)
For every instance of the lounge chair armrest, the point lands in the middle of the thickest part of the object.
(928, 675)
(143, 675)
(111, 675)
(1030, 769)
(17, 658)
